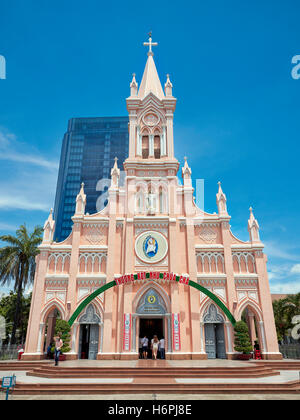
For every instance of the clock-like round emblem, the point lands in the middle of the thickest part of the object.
(151, 119)
(151, 299)
(151, 247)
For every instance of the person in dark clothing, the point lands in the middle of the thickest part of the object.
(49, 352)
(256, 345)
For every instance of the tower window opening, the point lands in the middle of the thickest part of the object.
(157, 147)
(145, 147)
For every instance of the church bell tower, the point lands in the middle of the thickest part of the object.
(150, 116)
(151, 143)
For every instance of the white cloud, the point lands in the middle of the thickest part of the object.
(8, 227)
(289, 287)
(295, 269)
(30, 159)
(284, 277)
(10, 150)
(30, 183)
(11, 202)
(281, 250)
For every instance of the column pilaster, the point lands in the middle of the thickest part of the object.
(267, 326)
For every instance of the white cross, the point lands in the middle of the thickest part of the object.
(150, 43)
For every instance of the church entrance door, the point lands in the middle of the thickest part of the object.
(215, 341)
(150, 327)
(88, 341)
(214, 334)
(89, 333)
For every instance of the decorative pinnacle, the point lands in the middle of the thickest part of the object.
(168, 82)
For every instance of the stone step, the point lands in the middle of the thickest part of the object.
(22, 365)
(157, 388)
(280, 365)
(60, 372)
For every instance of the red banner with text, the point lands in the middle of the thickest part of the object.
(127, 332)
(176, 332)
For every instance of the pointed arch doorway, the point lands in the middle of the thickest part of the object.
(152, 318)
(90, 325)
(214, 333)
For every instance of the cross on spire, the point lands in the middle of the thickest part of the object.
(150, 44)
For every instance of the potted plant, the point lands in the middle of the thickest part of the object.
(63, 328)
(242, 341)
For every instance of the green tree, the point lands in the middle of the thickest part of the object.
(242, 341)
(284, 310)
(17, 265)
(280, 317)
(8, 309)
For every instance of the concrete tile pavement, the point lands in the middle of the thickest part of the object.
(156, 397)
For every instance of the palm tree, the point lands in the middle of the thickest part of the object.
(17, 264)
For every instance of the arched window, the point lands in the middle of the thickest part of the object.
(145, 147)
(161, 201)
(139, 203)
(157, 147)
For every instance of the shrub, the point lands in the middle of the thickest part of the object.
(242, 341)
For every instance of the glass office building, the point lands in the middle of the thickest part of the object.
(87, 155)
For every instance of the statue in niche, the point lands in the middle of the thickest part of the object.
(151, 203)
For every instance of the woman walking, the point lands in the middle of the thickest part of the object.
(154, 346)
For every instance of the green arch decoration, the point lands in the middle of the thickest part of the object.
(134, 277)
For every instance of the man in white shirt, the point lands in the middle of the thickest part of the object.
(145, 342)
(162, 348)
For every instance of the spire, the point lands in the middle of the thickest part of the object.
(221, 201)
(80, 201)
(49, 228)
(150, 81)
(253, 227)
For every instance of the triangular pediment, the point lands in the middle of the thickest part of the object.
(151, 99)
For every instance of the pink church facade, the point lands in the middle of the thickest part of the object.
(152, 224)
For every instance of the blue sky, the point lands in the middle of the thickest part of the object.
(237, 116)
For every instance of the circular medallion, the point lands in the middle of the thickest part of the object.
(151, 247)
(151, 299)
(151, 119)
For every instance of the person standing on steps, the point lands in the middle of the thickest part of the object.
(145, 342)
(154, 346)
(162, 348)
(58, 345)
